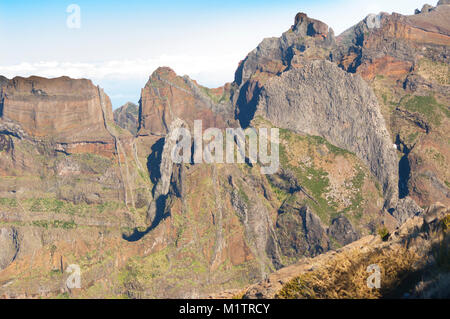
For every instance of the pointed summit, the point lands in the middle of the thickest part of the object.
(309, 27)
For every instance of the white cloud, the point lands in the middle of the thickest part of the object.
(123, 79)
(209, 55)
(218, 68)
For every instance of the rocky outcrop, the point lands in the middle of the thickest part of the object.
(273, 55)
(63, 111)
(390, 45)
(9, 243)
(257, 222)
(431, 20)
(162, 186)
(405, 59)
(342, 231)
(306, 40)
(322, 100)
(300, 232)
(127, 117)
(399, 48)
(167, 96)
(422, 237)
(314, 233)
(406, 209)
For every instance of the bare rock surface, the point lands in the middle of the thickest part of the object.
(67, 110)
(127, 117)
(168, 96)
(9, 243)
(417, 234)
(322, 100)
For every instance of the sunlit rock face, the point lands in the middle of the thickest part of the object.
(62, 110)
(168, 96)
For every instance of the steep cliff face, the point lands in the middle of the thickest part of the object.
(320, 99)
(62, 108)
(127, 117)
(392, 44)
(281, 81)
(307, 39)
(405, 59)
(408, 259)
(64, 111)
(167, 96)
(10, 246)
(61, 160)
(56, 136)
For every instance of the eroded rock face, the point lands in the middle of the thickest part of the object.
(6, 143)
(300, 232)
(62, 108)
(322, 100)
(273, 55)
(127, 117)
(306, 40)
(167, 96)
(256, 220)
(315, 234)
(405, 59)
(210, 224)
(342, 231)
(165, 174)
(390, 45)
(68, 112)
(9, 243)
(406, 209)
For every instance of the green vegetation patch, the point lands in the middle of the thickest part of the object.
(436, 71)
(428, 107)
(314, 180)
(214, 97)
(8, 202)
(93, 163)
(281, 194)
(52, 205)
(383, 233)
(55, 224)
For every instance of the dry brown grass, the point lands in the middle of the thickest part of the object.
(345, 277)
(435, 71)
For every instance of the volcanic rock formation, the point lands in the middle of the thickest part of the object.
(71, 113)
(167, 96)
(364, 126)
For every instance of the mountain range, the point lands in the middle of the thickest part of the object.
(364, 172)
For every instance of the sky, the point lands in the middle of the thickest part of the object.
(118, 44)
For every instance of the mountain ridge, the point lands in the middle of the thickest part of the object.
(363, 120)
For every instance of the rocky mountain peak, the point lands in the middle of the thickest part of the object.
(127, 117)
(164, 72)
(3, 81)
(167, 96)
(56, 86)
(309, 27)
